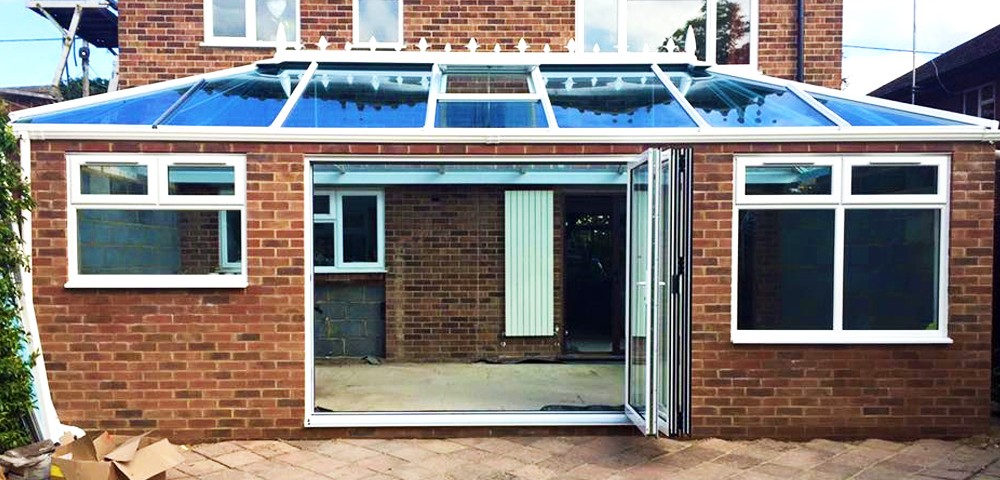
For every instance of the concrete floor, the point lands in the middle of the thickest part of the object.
(467, 386)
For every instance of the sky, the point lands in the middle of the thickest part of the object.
(873, 24)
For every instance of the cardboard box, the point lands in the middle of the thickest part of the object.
(107, 457)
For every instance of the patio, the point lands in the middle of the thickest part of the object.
(588, 458)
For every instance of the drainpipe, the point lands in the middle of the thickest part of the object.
(800, 43)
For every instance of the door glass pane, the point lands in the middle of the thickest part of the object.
(323, 245)
(321, 204)
(732, 38)
(197, 180)
(666, 256)
(785, 270)
(639, 287)
(229, 18)
(113, 180)
(652, 23)
(378, 19)
(894, 180)
(891, 269)
(360, 228)
(600, 25)
(272, 14)
(789, 180)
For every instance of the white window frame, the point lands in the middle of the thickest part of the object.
(156, 164)
(981, 101)
(838, 335)
(787, 161)
(336, 217)
(225, 266)
(710, 31)
(250, 38)
(364, 42)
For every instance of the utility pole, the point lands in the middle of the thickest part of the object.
(85, 62)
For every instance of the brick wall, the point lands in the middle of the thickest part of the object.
(445, 281)
(162, 40)
(216, 364)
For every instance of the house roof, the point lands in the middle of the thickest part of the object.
(327, 96)
(942, 72)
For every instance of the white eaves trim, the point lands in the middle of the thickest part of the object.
(498, 136)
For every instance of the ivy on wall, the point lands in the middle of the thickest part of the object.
(16, 395)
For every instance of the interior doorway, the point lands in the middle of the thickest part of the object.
(594, 262)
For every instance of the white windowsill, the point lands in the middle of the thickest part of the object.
(242, 43)
(822, 337)
(157, 281)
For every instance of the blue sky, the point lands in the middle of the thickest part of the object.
(941, 25)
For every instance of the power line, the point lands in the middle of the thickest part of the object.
(23, 40)
(863, 47)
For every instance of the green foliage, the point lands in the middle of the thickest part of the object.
(732, 40)
(16, 397)
(74, 88)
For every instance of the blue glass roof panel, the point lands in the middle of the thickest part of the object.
(141, 109)
(251, 99)
(387, 97)
(488, 114)
(613, 98)
(725, 101)
(869, 115)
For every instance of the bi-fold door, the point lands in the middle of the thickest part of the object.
(658, 321)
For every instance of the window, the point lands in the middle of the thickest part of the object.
(250, 22)
(145, 221)
(662, 25)
(840, 250)
(378, 23)
(489, 97)
(981, 102)
(348, 231)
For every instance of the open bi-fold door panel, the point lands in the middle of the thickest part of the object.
(657, 367)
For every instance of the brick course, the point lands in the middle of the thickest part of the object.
(162, 40)
(220, 364)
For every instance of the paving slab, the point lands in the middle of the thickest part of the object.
(589, 458)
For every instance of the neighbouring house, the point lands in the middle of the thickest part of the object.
(18, 98)
(618, 220)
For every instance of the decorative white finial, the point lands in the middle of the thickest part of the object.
(422, 44)
(371, 43)
(569, 83)
(690, 42)
(619, 83)
(571, 45)
(447, 47)
(546, 48)
(473, 45)
(375, 83)
(671, 46)
(322, 43)
(522, 46)
(597, 48)
(350, 79)
(280, 39)
(593, 81)
(348, 46)
(425, 83)
(496, 48)
(286, 83)
(325, 80)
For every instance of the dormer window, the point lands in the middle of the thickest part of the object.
(378, 23)
(251, 22)
(666, 25)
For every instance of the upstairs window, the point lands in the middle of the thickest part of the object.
(378, 23)
(726, 38)
(981, 102)
(250, 22)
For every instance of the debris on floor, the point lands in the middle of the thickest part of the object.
(31, 462)
(109, 457)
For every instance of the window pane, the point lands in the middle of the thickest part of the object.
(733, 32)
(113, 180)
(360, 228)
(381, 98)
(651, 23)
(891, 269)
(141, 109)
(785, 276)
(274, 13)
(149, 242)
(870, 115)
(600, 25)
(490, 115)
(972, 103)
(894, 180)
(486, 83)
(609, 99)
(250, 99)
(229, 18)
(731, 102)
(323, 245)
(196, 180)
(234, 243)
(378, 19)
(788, 180)
(321, 204)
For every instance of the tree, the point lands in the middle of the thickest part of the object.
(732, 40)
(74, 88)
(17, 399)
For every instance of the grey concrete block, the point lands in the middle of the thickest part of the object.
(375, 293)
(365, 311)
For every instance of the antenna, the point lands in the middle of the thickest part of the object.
(913, 71)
